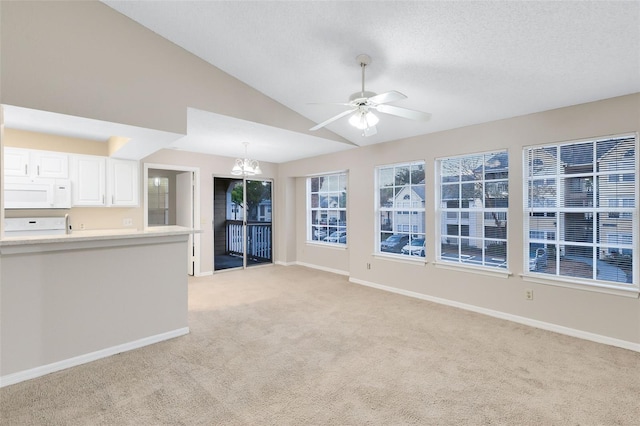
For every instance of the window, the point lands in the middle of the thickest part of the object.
(400, 209)
(580, 211)
(327, 208)
(158, 200)
(472, 207)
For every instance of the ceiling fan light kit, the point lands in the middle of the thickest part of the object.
(361, 103)
(361, 120)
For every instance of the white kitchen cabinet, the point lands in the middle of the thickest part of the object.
(35, 163)
(123, 180)
(50, 164)
(100, 182)
(16, 162)
(88, 180)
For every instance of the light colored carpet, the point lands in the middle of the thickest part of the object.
(294, 346)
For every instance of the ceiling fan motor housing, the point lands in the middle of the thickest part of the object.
(360, 98)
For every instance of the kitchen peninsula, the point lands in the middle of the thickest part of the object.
(69, 299)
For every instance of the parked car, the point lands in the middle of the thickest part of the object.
(337, 237)
(320, 233)
(537, 257)
(414, 248)
(394, 243)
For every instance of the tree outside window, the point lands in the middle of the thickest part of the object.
(473, 204)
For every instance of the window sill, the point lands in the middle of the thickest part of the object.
(598, 287)
(401, 258)
(327, 245)
(492, 272)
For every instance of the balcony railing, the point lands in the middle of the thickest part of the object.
(258, 239)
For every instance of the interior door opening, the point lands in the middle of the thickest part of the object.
(242, 234)
(171, 199)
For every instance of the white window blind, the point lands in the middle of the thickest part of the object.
(581, 210)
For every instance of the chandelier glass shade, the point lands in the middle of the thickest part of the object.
(363, 119)
(246, 166)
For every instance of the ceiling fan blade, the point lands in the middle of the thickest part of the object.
(403, 112)
(332, 119)
(330, 103)
(387, 97)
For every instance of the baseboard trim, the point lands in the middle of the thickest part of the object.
(204, 274)
(598, 338)
(280, 262)
(21, 376)
(323, 268)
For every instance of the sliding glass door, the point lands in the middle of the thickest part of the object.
(242, 223)
(258, 234)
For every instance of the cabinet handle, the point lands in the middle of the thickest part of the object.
(102, 198)
(26, 170)
(38, 170)
(112, 199)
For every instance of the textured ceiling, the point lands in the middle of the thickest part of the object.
(463, 62)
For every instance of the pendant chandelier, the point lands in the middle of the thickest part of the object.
(246, 166)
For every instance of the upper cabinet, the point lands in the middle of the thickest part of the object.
(99, 181)
(123, 182)
(34, 163)
(88, 181)
(96, 181)
(16, 162)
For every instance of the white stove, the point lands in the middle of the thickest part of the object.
(32, 226)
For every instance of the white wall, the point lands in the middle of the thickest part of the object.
(614, 316)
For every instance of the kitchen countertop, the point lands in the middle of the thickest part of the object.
(97, 235)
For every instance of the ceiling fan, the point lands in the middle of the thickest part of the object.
(362, 103)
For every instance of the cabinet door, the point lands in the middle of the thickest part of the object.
(50, 164)
(16, 162)
(88, 180)
(123, 182)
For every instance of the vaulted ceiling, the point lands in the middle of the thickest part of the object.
(463, 62)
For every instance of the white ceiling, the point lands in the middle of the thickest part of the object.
(217, 134)
(207, 133)
(464, 62)
(142, 141)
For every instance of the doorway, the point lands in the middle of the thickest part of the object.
(242, 234)
(172, 198)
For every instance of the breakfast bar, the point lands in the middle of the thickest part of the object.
(70, 299)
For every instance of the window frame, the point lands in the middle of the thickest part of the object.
(489, 264)
(311, 227)
(400, 211)
(600, 205)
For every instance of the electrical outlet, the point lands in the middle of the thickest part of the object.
(82, 226)
(528, 294)
(127, 222)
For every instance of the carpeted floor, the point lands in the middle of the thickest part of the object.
(294, 346)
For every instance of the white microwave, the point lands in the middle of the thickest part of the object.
(36, 193)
